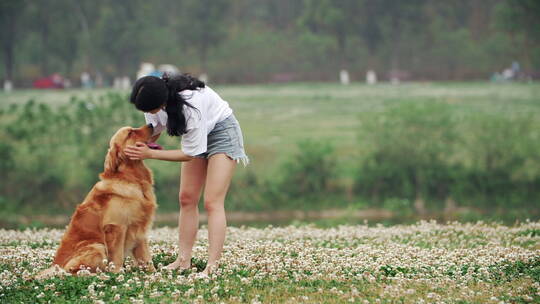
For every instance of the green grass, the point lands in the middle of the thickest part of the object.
(274, 119)
(300, 264)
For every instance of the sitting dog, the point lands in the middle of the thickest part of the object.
(115, 217)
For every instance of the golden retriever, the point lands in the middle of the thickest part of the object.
(114, 219)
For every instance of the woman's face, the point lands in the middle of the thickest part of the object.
(154, 111)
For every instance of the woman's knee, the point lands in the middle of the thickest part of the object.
(188, 199)
(211, 205)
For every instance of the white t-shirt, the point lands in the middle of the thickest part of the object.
(211, 110)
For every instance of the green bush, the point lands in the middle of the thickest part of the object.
(502, 160)
(304, 180)
(414, 155)
(248, 192)
(432, 152)
(310, 171)
(53, 156)
(410, 153)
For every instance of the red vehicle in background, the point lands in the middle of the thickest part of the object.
(54, 81)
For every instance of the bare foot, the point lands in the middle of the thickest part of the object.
(209, 269)
(180, 264)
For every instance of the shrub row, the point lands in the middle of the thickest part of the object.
(415, 157)
(436, 152)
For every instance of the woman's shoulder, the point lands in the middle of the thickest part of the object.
(199, 96)
(211, 94)
(190, 94)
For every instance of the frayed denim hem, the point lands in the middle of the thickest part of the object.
(243, 159)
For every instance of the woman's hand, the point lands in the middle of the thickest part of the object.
(141, 151)
(138, 152)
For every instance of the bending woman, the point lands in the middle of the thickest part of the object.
(212, 144)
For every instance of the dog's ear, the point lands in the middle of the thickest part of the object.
(113, 159)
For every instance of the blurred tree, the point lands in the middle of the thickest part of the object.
(87, 13)
(281, 14)
(439, 39)
(336, 18)
(202, 25)
(57, 31)
(42, 14)
(521, 17)
(479, 17)
(275, 14)
(370, 28)
(10, 10)
(399, 16)
(65, 45)
(450, 41)
(120, 36)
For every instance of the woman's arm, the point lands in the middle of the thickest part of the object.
(141, 151)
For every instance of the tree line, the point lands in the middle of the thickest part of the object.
(270, 40)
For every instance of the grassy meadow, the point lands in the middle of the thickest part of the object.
(424, 262)
(468, 150)
(465, 150)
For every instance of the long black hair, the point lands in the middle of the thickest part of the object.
(151, 92)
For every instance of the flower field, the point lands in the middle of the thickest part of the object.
(426, 262)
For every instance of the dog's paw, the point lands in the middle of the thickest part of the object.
(147, 266)
(53, 271)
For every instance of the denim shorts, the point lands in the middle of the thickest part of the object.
(226, 137)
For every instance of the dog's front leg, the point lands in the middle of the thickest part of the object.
(115, 236)
(141, 252)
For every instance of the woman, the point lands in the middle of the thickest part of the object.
(212, 144)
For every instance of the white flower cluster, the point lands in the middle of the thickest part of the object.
(425, 262)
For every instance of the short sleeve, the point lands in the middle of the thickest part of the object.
(158, 121)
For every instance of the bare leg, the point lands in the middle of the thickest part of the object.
(192, 178)
(219, 174)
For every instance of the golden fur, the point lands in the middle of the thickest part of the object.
(114, 219)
